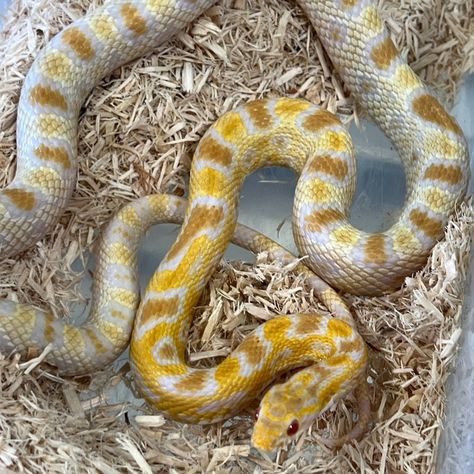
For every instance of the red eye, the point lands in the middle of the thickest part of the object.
(293, 428)
(256, 414)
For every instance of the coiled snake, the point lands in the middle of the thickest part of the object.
(288, 132)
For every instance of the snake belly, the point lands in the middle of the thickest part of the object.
(286, 132)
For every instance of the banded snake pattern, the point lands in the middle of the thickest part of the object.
(285, 131)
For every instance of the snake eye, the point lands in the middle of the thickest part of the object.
(256, 414)
(293, 428)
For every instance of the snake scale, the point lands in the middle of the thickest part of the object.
(285, 131)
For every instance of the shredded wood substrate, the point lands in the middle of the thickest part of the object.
(138, 130)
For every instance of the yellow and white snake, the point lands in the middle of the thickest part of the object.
(285, 131)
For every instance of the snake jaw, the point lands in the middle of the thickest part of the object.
(275, 425)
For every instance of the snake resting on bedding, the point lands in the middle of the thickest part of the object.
(286, 132)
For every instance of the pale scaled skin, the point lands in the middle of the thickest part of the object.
(286, 132)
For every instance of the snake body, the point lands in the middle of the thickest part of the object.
(287, 132)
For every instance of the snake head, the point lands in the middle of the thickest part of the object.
(278, 419)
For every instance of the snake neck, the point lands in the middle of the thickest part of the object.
(280, 345)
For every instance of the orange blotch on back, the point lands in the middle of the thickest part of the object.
(307, 324)
(451, 174)
(350, 346)
(431, 227)
(167, 351)
(211, 150)
(132, 18)
(317, 220)
(158, 308)
(320, 119)
(375, 249)
(47, 96)
(56, 154)
(336, 167)
(48, 327)
(342, 360)
(259, 114)
(429, 108)
(253, 348)
(24, 200)
(192, 382)
(95, 341)
(78, 42)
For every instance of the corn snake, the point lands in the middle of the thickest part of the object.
(348, 259)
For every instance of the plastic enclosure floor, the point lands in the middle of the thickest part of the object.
(266, 203)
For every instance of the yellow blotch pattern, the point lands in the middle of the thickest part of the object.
(172, 279)
(231, 127)
(58, 67)
(437, 199)
(406, 79)
(111, 331)
(120, 253)
(440, 143)
(289, 109)
(211, 183)
(104, 27)
(45, 179)
(345, 236)
(73, 338)
(130, 217)
(53, 126)
(320, 191)
(124, 297)
(372, 21)
(159, 6)
(338, 328)
(228, 369)
(405, 240)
